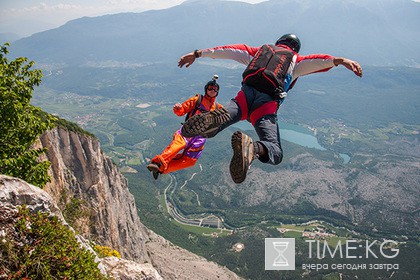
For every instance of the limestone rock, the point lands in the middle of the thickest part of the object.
(14, 192)
(80, 170)
(120, 269)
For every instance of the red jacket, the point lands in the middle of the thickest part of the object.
(301, 64)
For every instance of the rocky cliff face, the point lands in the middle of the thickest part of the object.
(82, 173)
(107, 213)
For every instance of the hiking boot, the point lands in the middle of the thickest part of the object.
(154, 168)
(206, 124)
(243, 155)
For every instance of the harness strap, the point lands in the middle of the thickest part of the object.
(242, 103)
(268, 108)
(197, 107)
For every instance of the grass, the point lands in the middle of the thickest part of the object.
(134, 161)
(333, 241)
(163, 203)
(297, 227)
(292, 234)
(296, 232)
(203, 230)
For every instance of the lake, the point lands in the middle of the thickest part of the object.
(296, 134)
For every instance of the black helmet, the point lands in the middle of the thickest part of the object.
(212, 83)
(290, 40)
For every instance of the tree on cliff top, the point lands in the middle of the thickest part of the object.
(21, 123)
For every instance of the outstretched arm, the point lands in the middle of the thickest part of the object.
(188, 59)
(239, 52)
(349, 64)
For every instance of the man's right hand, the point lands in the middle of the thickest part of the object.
(349, 64)
(186, 60)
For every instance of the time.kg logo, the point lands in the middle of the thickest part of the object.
(279, 254)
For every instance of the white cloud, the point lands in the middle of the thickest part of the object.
(44, 7)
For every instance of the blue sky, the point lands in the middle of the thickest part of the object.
(25, 17)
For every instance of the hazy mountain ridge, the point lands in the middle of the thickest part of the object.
(375, 33)
(9, 37)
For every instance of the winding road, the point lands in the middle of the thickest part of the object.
(207, 220)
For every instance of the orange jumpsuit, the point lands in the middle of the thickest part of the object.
(184, 152)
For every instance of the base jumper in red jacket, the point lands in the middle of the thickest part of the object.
(183, 152)
(258, 106)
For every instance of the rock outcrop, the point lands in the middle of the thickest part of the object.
(125, 269)
(15, 192)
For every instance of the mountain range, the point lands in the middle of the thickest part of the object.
(378, 33)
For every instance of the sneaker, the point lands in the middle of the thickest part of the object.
(243, 155)
(206, 124)
(154, 168)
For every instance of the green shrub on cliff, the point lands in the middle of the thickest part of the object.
(41, 247)
(72, 127)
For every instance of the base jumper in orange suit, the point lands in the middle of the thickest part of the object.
(184, 152)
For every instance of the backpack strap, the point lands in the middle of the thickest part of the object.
(197, 107)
